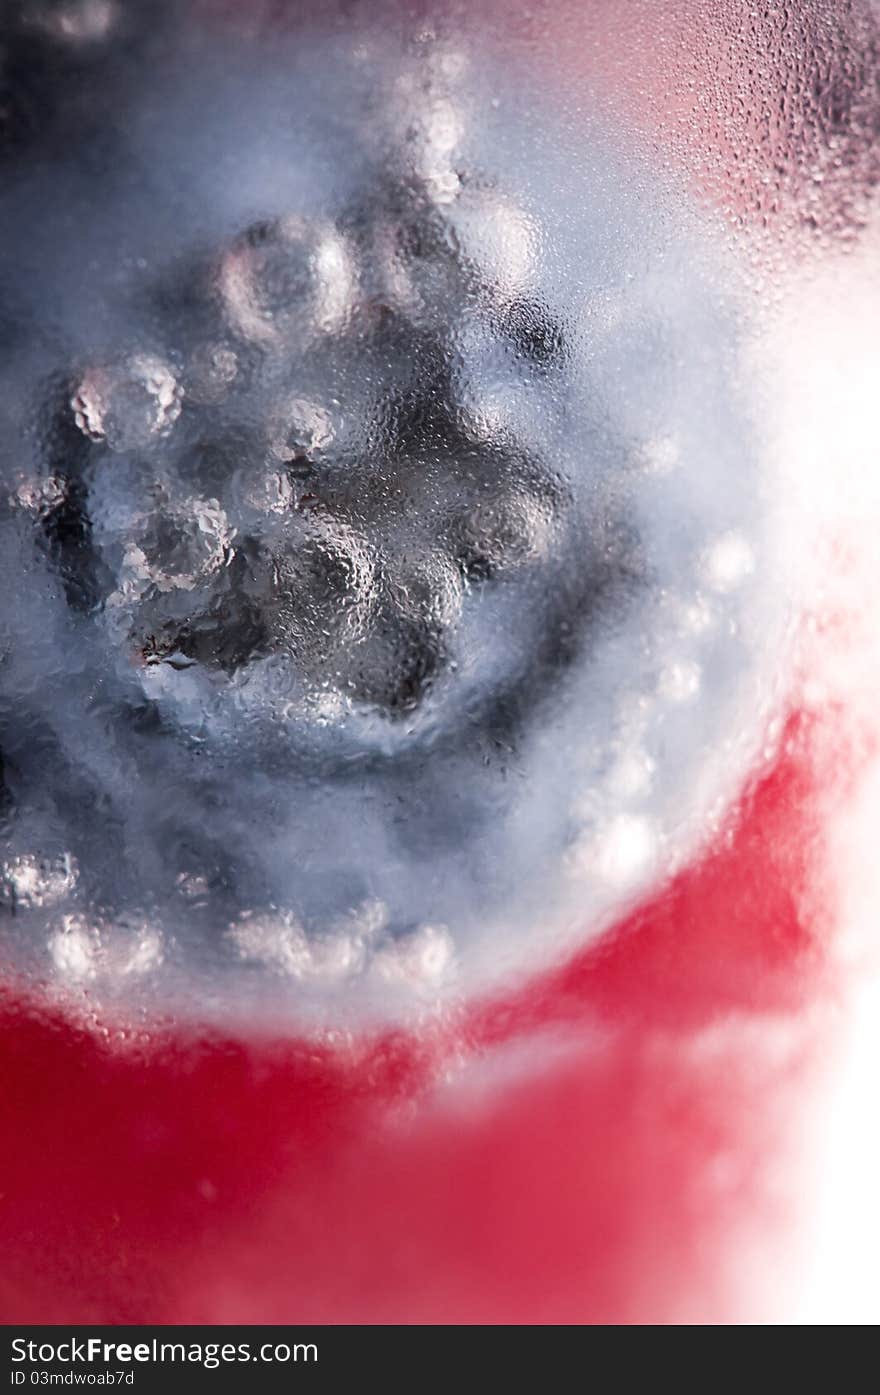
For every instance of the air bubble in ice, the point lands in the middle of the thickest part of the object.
(499, 238)
(679, 682)
(211, 371)
(324, 590)
(74, 948)
(29, 881)
(127, 404)
(622, 853)
(504, 530)
(659, 455)
(277, 941)
(299, 429)
(631, 775)
(419, 959)
(180, 547)
(728, 562)
(427, 587)
(393, 661)
(287, 280)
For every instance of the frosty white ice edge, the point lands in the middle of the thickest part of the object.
(387, 587)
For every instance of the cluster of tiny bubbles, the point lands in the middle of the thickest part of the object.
(380, 529)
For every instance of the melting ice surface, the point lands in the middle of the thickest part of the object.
(386, 583)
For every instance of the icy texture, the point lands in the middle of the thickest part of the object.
(386, 588)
